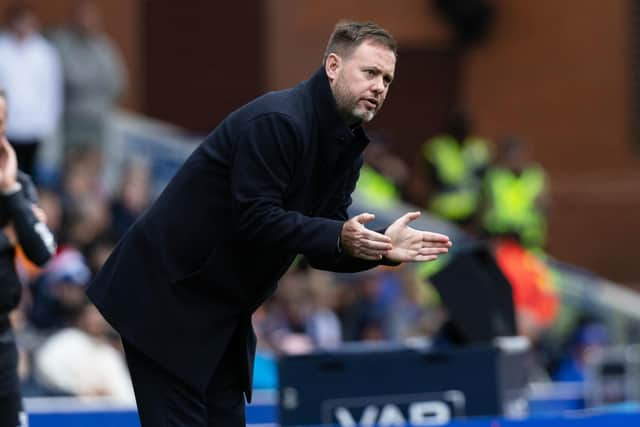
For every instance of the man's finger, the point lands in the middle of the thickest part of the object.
(428, 236)
(376, 237)
(431, 244)
(425, 257)
(364, 218)
(377, 245)
(433, 251)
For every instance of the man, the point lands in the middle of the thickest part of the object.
(94, 75)
(31, 74)
(21, 222)
(455, 162)
(273, 180)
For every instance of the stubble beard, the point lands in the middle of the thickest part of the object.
(348, 108)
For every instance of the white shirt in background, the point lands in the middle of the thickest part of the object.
(77, 363)
(31, 74)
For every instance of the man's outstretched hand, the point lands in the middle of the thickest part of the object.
(360, 242)
(410, 244)
(400, 243)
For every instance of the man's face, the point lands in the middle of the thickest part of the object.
(25, 25)
(3, 116)
(360, 81)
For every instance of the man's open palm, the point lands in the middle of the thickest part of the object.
(410, 244)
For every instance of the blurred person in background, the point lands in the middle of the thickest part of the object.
(94, 75)
(23, 224)
(86, 206)
(82, 175)
(589, 336)
(85, 222)
(79, 360)
(455, 163)
(516, 196)
(31, 74)
(412, 312)
(99, 250)
(513, 219)
(383, 177)
(59, 290)
(363, 312)
(274, 180)
(535, 297)
(133, 197)
(299, 317)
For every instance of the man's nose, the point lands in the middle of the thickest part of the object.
(378, 86)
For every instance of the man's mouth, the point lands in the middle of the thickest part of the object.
(370, 103)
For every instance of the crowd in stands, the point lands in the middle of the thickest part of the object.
(71, 79)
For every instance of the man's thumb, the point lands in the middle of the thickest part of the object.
(408, 217)
(363, 218)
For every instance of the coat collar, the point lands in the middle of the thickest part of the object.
(330, 121)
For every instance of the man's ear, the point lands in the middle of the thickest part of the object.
(332, 66)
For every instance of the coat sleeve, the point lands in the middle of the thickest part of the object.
(34, 236)
(341, 262)
(266, 155)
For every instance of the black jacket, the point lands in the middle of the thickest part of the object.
(34, 237)
(273, 180)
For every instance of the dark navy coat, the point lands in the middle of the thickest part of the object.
(273, 180)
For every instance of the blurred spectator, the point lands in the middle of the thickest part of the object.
(86, 214)
(589, 336)
(535, 297)
(31, 74)
(59, 292)
(82, 177)
(133, 198)
(323, 325)
(94, 75)
(363, 312)
(383, 177)
(516, 196)
(85, 221)
(99, 250)
(297, 319)
(411, 314)
(79, 359)
(455, 163)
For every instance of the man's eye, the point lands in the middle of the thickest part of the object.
(370, 73)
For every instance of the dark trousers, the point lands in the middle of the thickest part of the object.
(10, 408)
(166, 401)
(10, 399)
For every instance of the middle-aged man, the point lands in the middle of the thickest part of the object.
(22, 223)
(273, 180)
(31, 74)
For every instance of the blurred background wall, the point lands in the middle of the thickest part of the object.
(558, 74)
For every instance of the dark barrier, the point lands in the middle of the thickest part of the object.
(387, 384)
